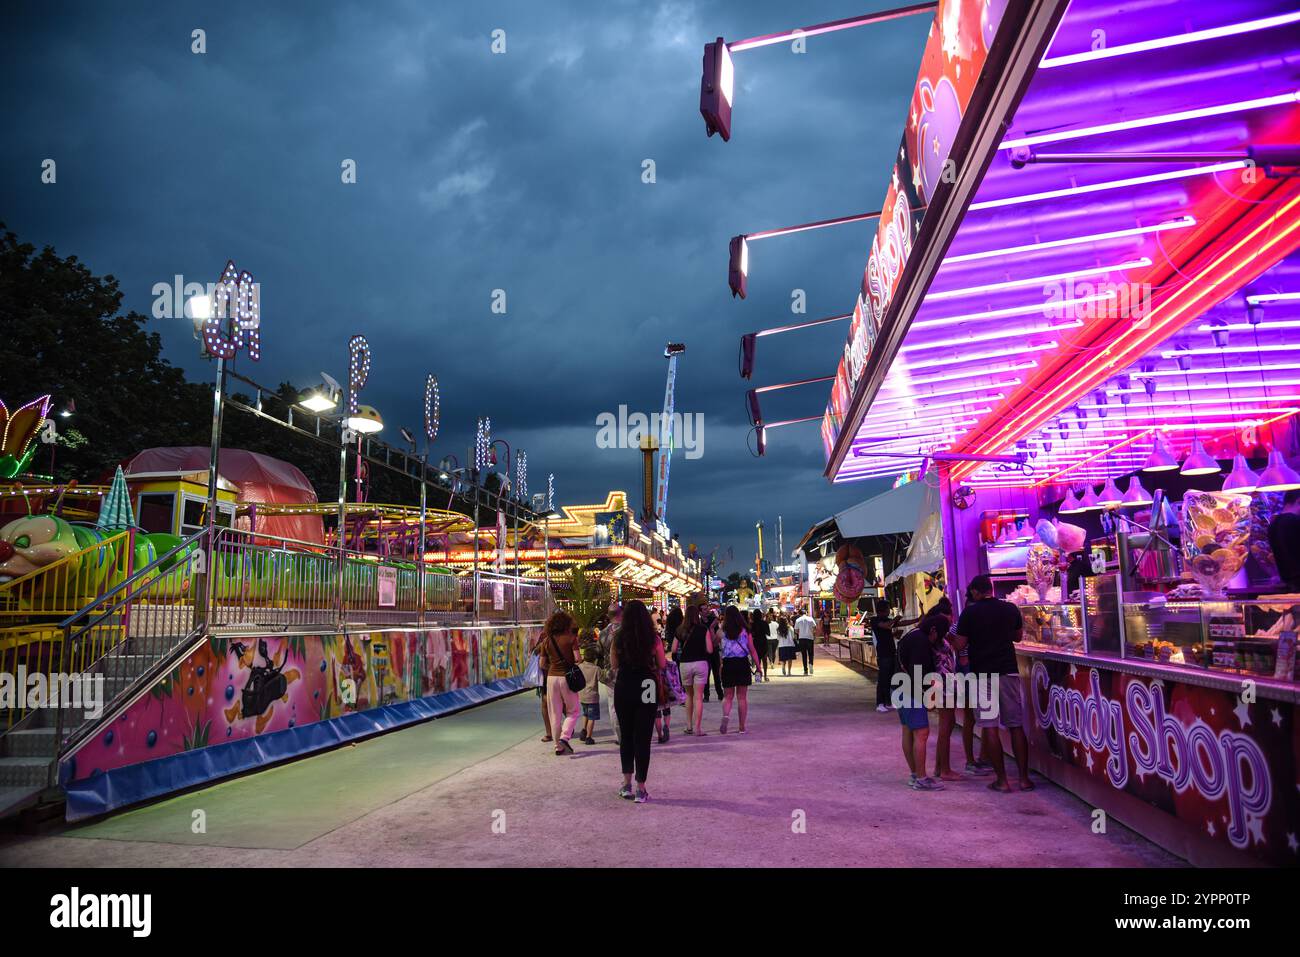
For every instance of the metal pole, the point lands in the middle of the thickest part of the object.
(339, 538)
(424, 467)
(203, 598)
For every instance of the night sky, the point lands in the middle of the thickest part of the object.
(477, 171)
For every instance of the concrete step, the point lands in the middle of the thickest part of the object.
(14, 799)
(28, 743)
(24, 772)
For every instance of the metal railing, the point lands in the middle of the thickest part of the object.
(259, 580)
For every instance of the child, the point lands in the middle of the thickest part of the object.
(589, 696)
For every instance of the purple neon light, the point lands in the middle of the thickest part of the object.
(1140, 262)
(993, 336)
(1165, 42)
(1182, 222)
(1039, 307)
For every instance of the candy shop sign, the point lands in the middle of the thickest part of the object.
(1222, 765)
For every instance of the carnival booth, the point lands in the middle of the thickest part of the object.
(1082, 308)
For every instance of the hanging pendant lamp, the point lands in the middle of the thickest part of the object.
(1136, 494)
(1278, 477)
(1160, 459)
(1242, 478)
(1070, 506)
(1109, 496)
(1198, 461)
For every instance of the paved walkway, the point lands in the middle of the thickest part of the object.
(430, 795)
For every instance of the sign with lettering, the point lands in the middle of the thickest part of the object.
(954, 56)
(387, 577)
(1224, 767)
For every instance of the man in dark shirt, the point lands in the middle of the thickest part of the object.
(1284, 539)
(988, 629)
(882, 629)
(916, 665)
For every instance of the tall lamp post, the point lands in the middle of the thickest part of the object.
(227, 320)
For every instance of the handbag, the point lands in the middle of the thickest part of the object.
(573, 677)
(670, 686)
(533, 672)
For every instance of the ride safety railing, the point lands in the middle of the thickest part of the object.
(259, 581)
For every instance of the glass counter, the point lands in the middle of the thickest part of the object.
(1255, 637)
(1055, 626)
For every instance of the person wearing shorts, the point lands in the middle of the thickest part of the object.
(989, 628)
(589, 696)
(693, 645)
(916, 656)
(737, 652)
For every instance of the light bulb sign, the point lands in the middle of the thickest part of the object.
(432, 407)
(521, 475)
(358, 369)
(235, 317)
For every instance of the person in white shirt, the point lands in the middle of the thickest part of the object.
(805, 629)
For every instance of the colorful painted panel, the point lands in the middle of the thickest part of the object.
(1224, 768)
(237, 688)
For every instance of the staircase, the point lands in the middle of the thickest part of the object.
(126, 638)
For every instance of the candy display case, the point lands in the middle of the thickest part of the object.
(1055, 626)
(1255, 638)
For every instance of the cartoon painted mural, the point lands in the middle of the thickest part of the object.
(232, 689)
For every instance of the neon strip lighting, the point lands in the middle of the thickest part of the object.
(1219, 109)
(1093, 458)
(1138, 263)
(993, 336)
(1249, 326)
(1272, 297)
(1178, 403)
(893, 418)
(1180, 223)
(1157, 330)
(1211, 351)
(1161, 43)
(981, 356)
(977, 391)
(1112, 184)
(1213, 387)
(901, 380)
(1279, 367)
(920, 404)
(1043, 307)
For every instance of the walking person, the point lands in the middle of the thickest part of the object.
(804, 630)
(558, 653)
(785, 645)
(589, 696)
(945, 663)
(756, 623)
(737, 652)
(637, 657)
(693, 646)
(989, 627)
(535, 649)
(916, 659)
(882, 630)
(606, 663)
(715, 656)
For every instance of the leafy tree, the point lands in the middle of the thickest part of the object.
(64, 334)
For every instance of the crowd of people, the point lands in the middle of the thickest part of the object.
(980, 642)
(649, 663)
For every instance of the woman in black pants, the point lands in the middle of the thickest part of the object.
(638, 657)
(715, 659)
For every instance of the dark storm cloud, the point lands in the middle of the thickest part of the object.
(478, 172)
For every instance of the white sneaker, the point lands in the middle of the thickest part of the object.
(883, 708)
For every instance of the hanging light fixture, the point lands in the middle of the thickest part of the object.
(1070, 505)
(1278, 477)
(1110, 496)
(1160, 459)
(1136, 494)
(1199, 461)
(1089, 501)
(1241, 478)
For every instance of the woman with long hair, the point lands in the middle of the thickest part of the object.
(738, 650)
(557, 653)
(637, 656)
(759, 628)
(692, 646)
(785, 644)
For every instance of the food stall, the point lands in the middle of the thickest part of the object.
(1082, 308)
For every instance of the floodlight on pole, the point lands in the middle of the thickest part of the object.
(749, 341)
(718, 75)
(738, 249)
